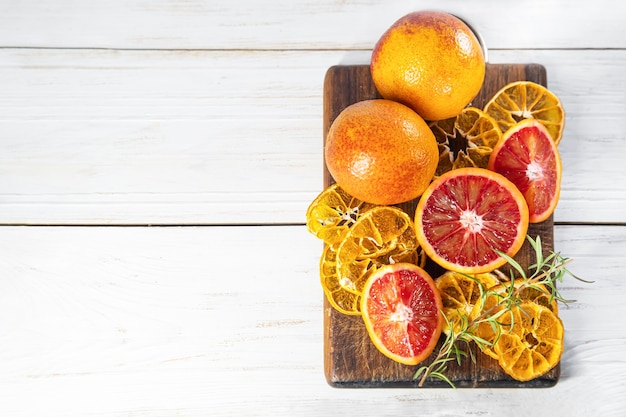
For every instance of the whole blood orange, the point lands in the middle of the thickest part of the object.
(528, 156)
(381, 152)
(431, 61)
(466, 216)
(401, 308)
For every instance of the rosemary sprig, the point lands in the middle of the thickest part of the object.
(547, 271)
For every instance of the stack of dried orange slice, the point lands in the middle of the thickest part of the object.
(526, 338)
(359, 239)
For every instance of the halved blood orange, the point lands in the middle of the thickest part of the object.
(468, 214)
(529, 158)
(401, 308)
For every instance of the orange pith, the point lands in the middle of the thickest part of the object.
(381, 152)
(431, 61)
(468, 214)
(529, 158)
(401, 310)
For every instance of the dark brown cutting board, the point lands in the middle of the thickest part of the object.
(350, 359)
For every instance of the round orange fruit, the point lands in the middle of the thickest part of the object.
(381, 152)
(466, 216)
(431, 61)
(401, 308)
(528, 156)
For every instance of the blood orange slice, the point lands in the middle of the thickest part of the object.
(401, 308)
(529, 158)
(466, 215)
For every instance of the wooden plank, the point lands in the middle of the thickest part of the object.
(139, 321)
(136, 137)
(273, 24)
(351, 360)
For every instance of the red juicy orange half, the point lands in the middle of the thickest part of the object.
(468, 214)
(529, 158)
(401, 308)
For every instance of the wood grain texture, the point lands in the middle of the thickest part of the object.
(351, 360)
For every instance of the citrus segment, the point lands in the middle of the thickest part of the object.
(466, 140)
(527, 100)
(332, 212)
(529, 158)
(401, 310)
(466, 215)
(459, 294)
(381, 152)
(383, 235)
(536, 345)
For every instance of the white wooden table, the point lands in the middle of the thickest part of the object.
(156, 162)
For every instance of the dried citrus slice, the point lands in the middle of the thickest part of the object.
(527, 100)
(332, 212)
(383, 235)
(535, 344)
(535, 293)
(529, 158)
(401, 310)
(340, 299)
(466, 215)
(466, 140)
(459, 294)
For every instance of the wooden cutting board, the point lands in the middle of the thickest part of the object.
(350, 359)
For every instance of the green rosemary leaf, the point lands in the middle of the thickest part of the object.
(513, 263)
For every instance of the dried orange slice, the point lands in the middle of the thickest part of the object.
(459, 295)
(527, 100)
(529, 158)
(383, 235)
(466, 215)
(401, 310)
(533, 346)
(466, 140)
(331, 214)
(339, 298)
(535, 293)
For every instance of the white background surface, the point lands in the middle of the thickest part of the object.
(156, 162)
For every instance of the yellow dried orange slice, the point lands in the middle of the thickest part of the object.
(339, 298)
(466, 140)
(534, 344)
(383, 235)
(459, 294)
(535, 293)
(331, 214)
(527, 100)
